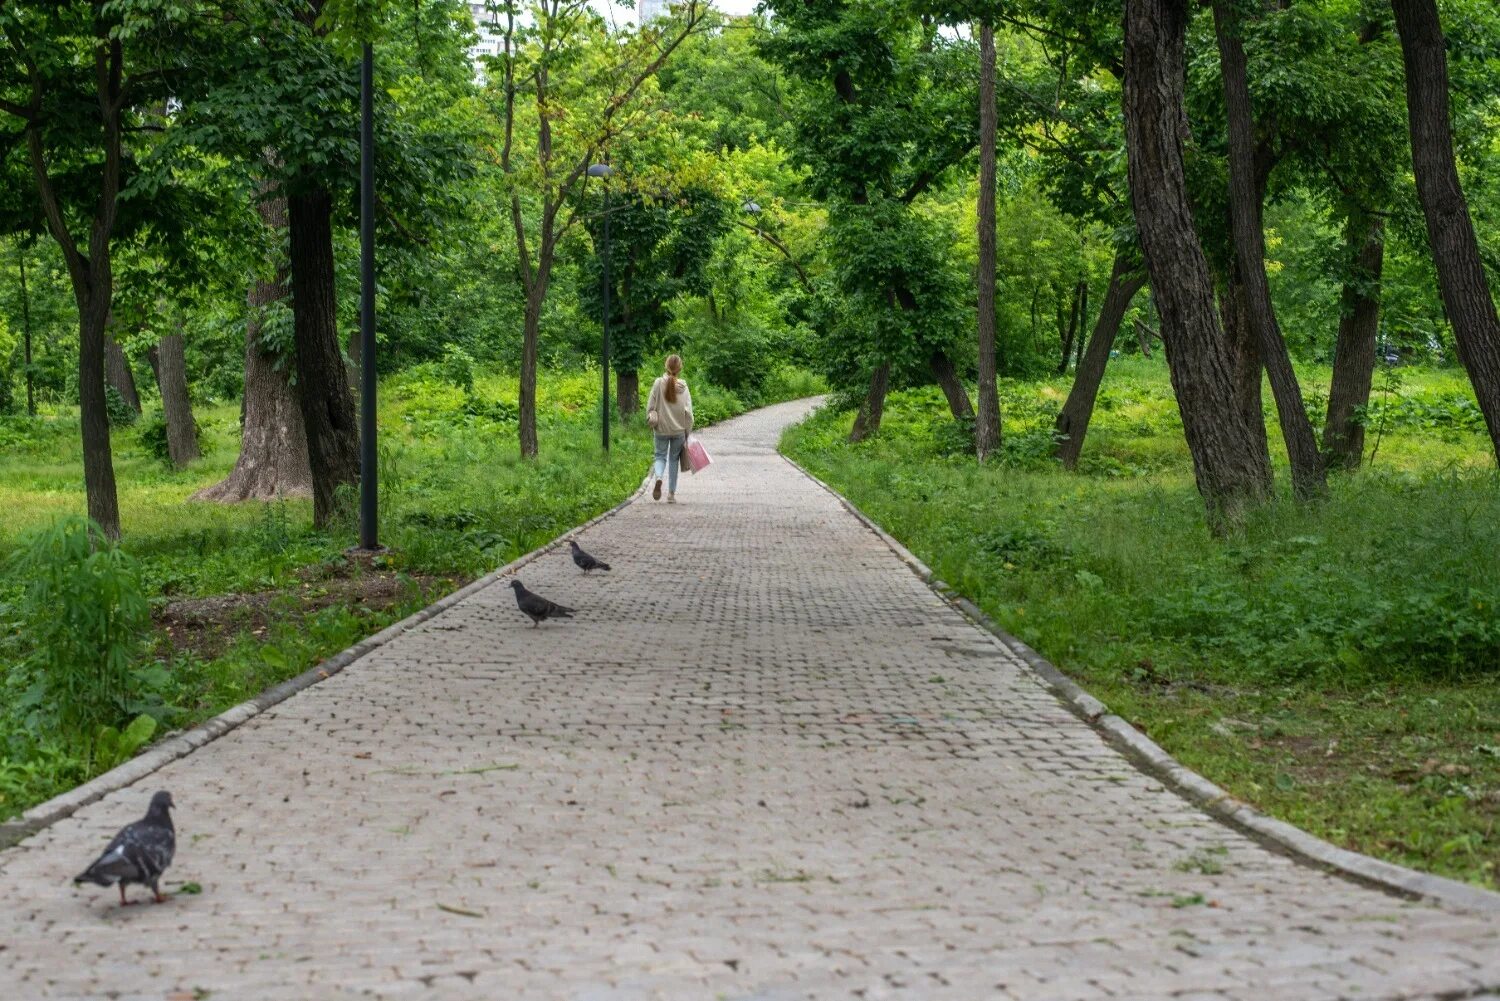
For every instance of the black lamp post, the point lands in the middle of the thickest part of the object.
(604, 171)
(369, 523)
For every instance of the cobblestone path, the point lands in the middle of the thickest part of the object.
(764, 761)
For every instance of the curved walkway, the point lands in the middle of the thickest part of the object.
(764, 761)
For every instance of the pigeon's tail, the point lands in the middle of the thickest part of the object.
(89, 875)
(562, 613)
(601, 566)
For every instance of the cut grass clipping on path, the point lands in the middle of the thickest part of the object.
(244, 596)
(1337, 665)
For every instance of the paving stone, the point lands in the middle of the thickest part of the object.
(731, 775)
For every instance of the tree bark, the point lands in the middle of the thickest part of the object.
(26, 334)
(117, 372)
(1354, 351)
(527, 400)
(867, 420)
(987, 422)
(273, 459)
(1248, 372)
(1450, 230)
(1309, 478)
(1231, 476)
(1083, 315)
(327, 405)
(1073, 421)
(1143, 335)
(952, 386)
(171, 379)
(627, 391)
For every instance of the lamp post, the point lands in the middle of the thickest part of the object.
(604, 171)
(368, 474)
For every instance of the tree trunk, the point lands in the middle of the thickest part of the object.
(1143, 335)
(952, 386)
(867, 420)
(1354, 352)
(1309, 479)
(1083, 316)
(1450, 230)
(117, 371)
(987, 421)
(627, 391)
(171, 379)
(1067, 329)
(352, 368)
(530, 331)
(273, 459)
(328, 416)
(1073, 422)
(26, 335)
(1248, 372)
(98, 459)
(1231, 476)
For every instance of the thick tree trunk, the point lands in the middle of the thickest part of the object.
(98, 459)
(1450, 230)
(867, 420)
(328, 416)
(1230, 474)
(529, 335)
(952, 386)
(1248, 372)
(1354, 352)
(273, 459)
(987, 421)
(117, 371)
(627, 391)
(1125, 280)
(171, 380)
(1309, 479)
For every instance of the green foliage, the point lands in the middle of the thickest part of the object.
(85, 613)
(113, 747)
(152, 435)
(121, 414)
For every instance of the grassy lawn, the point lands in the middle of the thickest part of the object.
(1336, 665)
(244, 596)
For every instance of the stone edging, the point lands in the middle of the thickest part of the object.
(1148, 756)
(44, 815)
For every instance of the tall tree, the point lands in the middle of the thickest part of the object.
(169, 361)
(75, 73)
(1354, 349)
(577, 110)
(1225, 460)
(987, 422)
(1450, 230)
(1126, 278)
(1248, 228)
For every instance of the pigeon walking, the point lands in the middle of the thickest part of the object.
(584, 560)
(140, 853)
(537, 607)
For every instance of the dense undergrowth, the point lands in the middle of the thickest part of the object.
(456, 500)
(1338, 664)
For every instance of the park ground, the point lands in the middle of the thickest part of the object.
(1334, 664)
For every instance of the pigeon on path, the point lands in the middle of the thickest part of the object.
(140, 853)
(537, 607)
(584, 560)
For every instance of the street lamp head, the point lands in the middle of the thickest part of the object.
(751, 208)
(601, 170)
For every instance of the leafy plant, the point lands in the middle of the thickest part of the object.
(120, 413)
(152, 434)
(113, 746)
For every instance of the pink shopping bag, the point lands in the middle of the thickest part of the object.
(697, 455)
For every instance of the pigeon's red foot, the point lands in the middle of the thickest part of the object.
(161, 899)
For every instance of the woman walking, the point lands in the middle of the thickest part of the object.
(669, 411)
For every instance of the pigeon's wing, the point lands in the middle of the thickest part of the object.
(536, 605)
(114, 864)
(582, 558)
(151, 848)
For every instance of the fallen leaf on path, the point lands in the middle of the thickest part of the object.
(461, 911)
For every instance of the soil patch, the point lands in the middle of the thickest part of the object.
(206, 627)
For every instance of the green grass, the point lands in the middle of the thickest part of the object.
(456, 500)
(1338, 665)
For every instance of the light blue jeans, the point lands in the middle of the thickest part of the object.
(668, 448)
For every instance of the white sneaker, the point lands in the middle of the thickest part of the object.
(671, 498)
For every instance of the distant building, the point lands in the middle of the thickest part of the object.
(491, 35)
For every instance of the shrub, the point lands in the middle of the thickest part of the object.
(121, 414)
(152, 434)
(85, 613)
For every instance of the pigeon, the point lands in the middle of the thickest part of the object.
(584, 560)
(140, 853)
(537, 607)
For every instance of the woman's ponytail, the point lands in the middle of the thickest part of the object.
(674, 365)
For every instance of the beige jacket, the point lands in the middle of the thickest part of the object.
(672, 418)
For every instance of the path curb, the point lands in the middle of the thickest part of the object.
(1150, 758)
(44, 815)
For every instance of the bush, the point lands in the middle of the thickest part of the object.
(152, 434)
(121, 414)
(85, 613)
